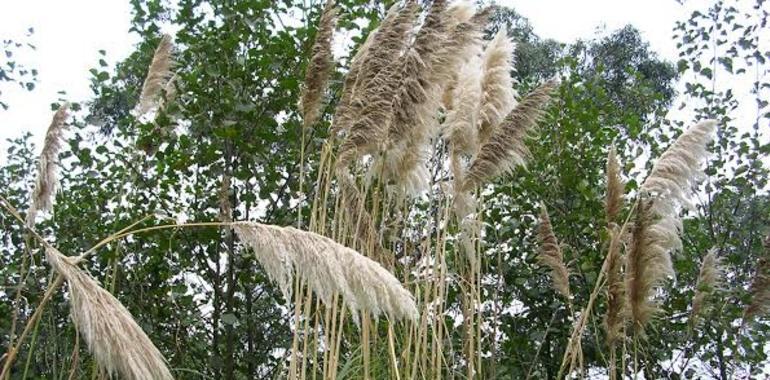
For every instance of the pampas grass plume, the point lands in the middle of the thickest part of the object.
(327, 267)
(497, 85)
(613, 201)
(709, 280)
(158, 76)
(118, 344)
(551, 255)
(319, 68)
(760, 287)
(505, 148)
(46, 183)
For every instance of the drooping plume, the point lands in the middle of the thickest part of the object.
(709, 280)
(497, 85)
(116, 341)
(760, 287)
(47, 182)
(158, 76)
(327, 268)
(551, 255)
(657, 227)
(319, 68)
(505, 148)
(616, 289)
(613, 202)
(344, 110)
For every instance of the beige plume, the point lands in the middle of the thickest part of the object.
(116, 341)
(328, 268)
(551, 255)
(47, 182)
(760, 287)
(499, 96)
(505, 149)
(709, 280)
(158, 76)
(319, 68)
(462, 121)
(613, 202)
(657, 226)
(616, 289)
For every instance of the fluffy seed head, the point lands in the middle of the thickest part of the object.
(47, 182)
(613, 202)
(158, 76)
(328, 268)
(709, 280)
(116, 341)
(551, 255)
(760, 287)
(616, 300)
(319, 68)
(505, 149)
(497, 85)
(657, 227)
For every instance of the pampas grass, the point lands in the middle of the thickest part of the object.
(505, 149)
(158, 76)
(551, 255)
(613, 201)
(616, 300)
(328, 268)
(657, 227)
(760, 287)
(497, 85)
(319, 68)
(118, 344)
(46, 182)
(462, 121)
(709, 280)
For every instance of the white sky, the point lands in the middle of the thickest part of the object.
(68, 35)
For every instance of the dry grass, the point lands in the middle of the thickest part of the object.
(505, 148)
(613, 202)
(319, 68)
(657, 227)
(760, 287)
(551, 255)
(499, 95)
(116, 341)
(709, 280)
(47, 182)
(328, 268)
(158, 76)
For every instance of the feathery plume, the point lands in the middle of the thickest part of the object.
(459, 13)
(551, 255)
(657, 227)
(158, 76)
(328, 268)
(47, 182)
(344, 110)
(613, 202)
(462, 121)
(116, 341)
(616, 300)
(319, 68)
(709, 279)
(497, 85)
(505, 149)
(760, 287)
(223, 195)
(365, 229)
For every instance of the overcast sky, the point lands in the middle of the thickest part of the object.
(69, 34)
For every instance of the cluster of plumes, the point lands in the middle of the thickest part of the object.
(47, 181)
(118, 344)
(551, 255)
(159, 83)
(709, 280)
(319, 68)
(616, 300)
(328, 268)
(760, 287)
(655, 234)
(396, 86)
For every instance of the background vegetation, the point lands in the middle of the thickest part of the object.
(209, 307)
